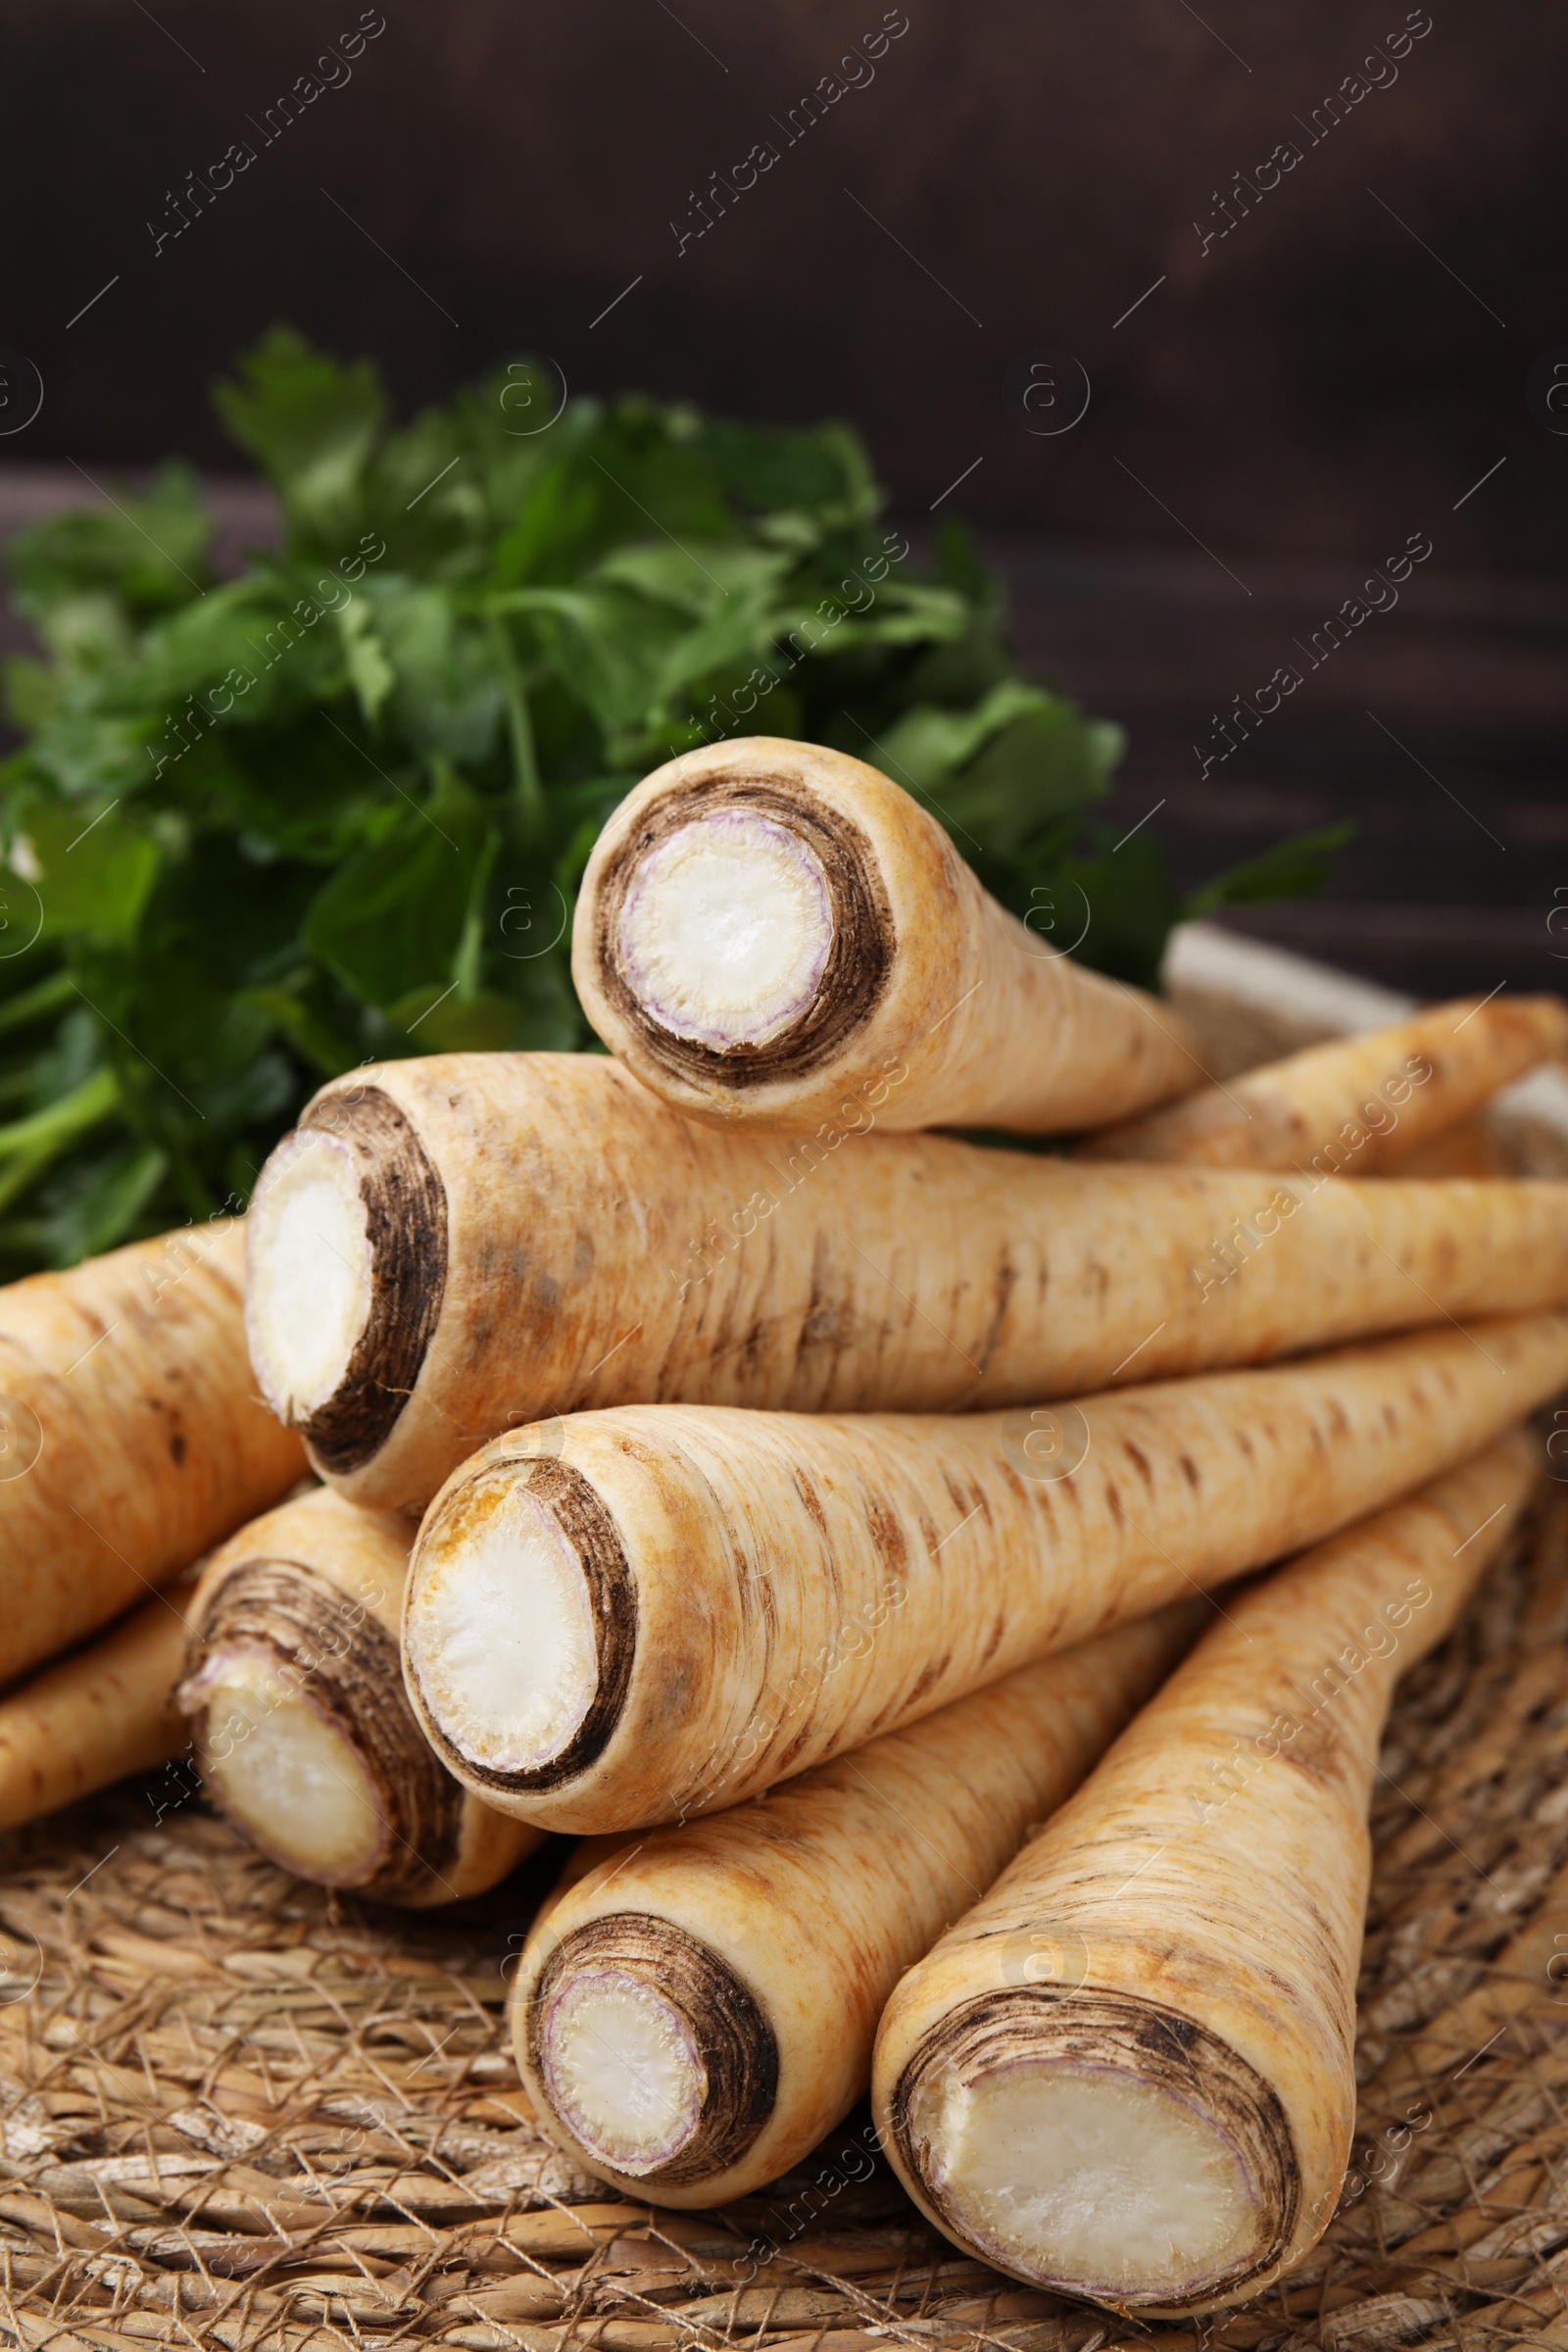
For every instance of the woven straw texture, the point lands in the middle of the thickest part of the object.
(239, 2113)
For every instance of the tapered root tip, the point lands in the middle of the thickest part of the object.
(309, 1295)
(726, 929)
(653, 2055)
(1099, 2147)
(518, 1626)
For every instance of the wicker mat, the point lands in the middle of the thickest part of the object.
(240, 2113)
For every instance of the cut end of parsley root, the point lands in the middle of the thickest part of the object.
(499, 1634)
(286, 1770)
(726, 929)
(311, 1281)
(1087, 2176)
(623, 2068)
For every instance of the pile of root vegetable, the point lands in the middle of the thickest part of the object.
(819, 1764)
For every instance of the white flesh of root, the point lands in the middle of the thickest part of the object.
(622, 2070)
(500, 1634)
(285, 1774)
(726, 929)
(308, 1297)
(1086, 2177)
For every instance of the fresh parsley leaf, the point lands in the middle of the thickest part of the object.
(1289, 869)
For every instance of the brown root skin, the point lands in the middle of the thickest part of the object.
(1204, 1895)
(949, 1560)
(301, 1607)
(104, 1712)
(932, 990)
(129, 1395)
(596, 1248)
(1357, 1105)
(811, 1902)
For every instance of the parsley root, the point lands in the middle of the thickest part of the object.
(131, 1438)
(452, 1246)
(767, 929)
(1358, 1103)
(655, 1610)
(1163, 2123)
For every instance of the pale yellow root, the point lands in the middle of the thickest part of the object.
(106, 1711)
(692, 2014)
(303, 1732)
(651, 1259)
(675, 1606)
(1356, 1105)
(771, 932)
(1167, 2128)
(132, 1437)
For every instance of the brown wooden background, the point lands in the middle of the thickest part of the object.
(1279, 415)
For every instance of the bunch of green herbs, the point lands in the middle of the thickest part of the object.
(263, 829)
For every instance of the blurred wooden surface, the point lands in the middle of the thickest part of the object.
(1441, 726)
(1335, 370)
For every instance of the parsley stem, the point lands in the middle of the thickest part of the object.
(531, 803)
(16, 1179)
(48, 996)
(30, 1145)
(60, 1124)
(468, 963)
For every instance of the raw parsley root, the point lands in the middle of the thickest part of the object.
(653, 1260)
(1357, 1105)
(131, 1438)
(769, 932)
(106, 1710)
(1162, 2119)
(621, 1618)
